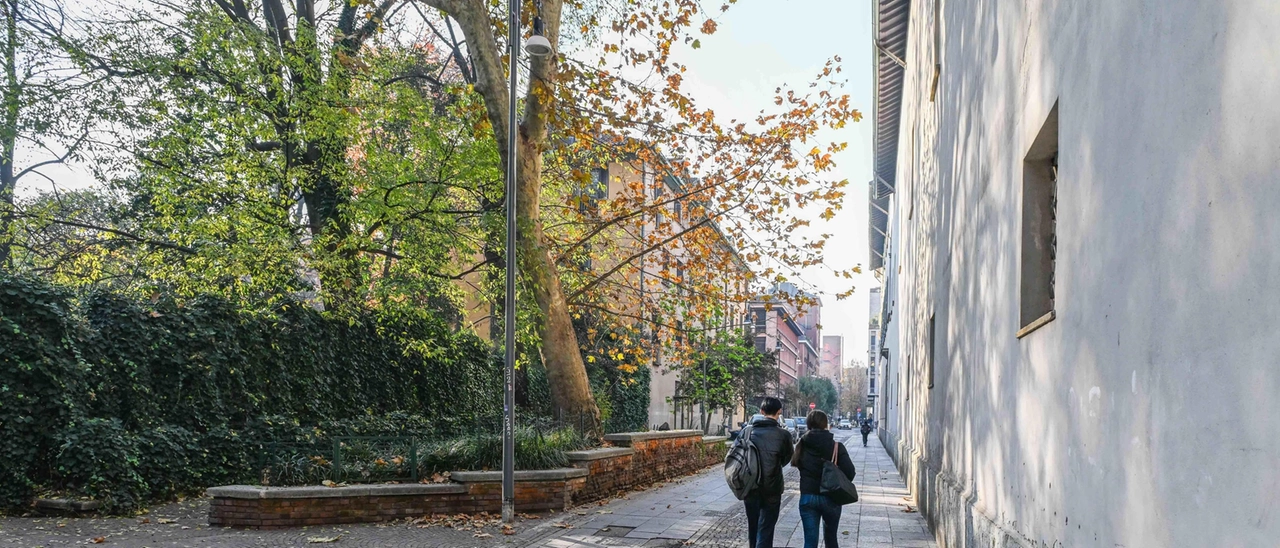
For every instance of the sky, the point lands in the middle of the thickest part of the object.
(762, 44)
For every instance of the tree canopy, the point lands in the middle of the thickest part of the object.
(352, 154)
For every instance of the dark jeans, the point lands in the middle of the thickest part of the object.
(815, 508)
(864, 439)
(762, 517)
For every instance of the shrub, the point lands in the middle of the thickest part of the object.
(100, 459)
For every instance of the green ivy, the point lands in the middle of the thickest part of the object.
(126, 400)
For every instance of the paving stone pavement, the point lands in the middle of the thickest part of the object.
(697, 510)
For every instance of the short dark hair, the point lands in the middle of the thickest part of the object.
(770, 405)
(817, 420)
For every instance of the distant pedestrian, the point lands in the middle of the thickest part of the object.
(817, 511)
(866, 431)
(765, 503)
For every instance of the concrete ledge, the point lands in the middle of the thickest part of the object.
(632, 437)
(597, 454)
(557, 474)
(712, 440)
(68, 505)
(312, 492)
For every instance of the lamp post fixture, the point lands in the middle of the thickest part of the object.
(538, 46)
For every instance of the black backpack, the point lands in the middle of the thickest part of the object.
(742, 465)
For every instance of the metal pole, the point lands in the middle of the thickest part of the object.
(509, 368)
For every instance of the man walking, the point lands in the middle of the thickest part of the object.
(764, 503)
(866, 430)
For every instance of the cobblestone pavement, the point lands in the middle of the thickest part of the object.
(697, 510)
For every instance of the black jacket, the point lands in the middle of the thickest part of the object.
(813, 450)
(774, 444)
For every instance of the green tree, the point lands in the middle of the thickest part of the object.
(43, 105)
(288, 150)
(819, 391)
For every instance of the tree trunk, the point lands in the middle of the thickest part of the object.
(566, 372)
(9, 134)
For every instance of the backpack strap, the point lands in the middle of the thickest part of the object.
(835, 450)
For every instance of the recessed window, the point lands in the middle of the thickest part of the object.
(1039, 228)
(600, 183)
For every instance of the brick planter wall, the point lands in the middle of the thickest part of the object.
(638, 459)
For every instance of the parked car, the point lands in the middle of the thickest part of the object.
(791, 426)
(801, 427)
(845, 425)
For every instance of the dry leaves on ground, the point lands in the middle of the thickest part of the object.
(436, 478)
(323, 540)
(462, 522)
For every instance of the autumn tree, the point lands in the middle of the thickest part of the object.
(613, 90)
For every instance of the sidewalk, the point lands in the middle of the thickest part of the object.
(697, 510)
(700, 511)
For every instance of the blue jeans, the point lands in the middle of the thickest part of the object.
(762, 518)
(815, 509)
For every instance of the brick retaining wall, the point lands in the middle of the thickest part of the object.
(636, 459)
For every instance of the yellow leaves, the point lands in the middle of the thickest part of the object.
(591, 359)
(828, 214)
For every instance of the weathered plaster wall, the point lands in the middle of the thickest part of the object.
(1147, 413)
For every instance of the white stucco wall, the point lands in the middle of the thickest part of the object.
(1148, 412)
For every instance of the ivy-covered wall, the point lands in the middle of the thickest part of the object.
(126, 400)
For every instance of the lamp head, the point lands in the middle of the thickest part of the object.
(538, 46)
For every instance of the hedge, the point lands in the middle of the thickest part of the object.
(126, 400)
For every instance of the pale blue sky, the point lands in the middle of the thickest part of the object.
(764, 43)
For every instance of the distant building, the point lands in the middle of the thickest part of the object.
(832, 357)
(774, 327)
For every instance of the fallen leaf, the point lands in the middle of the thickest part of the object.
(323, 540)
(562, 525)
(163, 521)
(98, 540)
(508, 530)
(482, 535)
(604, 511)
(909, 510)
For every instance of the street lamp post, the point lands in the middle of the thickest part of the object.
(538, 46)
(509, 310)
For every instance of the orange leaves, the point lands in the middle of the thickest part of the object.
(709, 26)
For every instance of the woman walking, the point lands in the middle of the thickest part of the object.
(817, 447)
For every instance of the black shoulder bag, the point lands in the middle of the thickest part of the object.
(835, 486)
